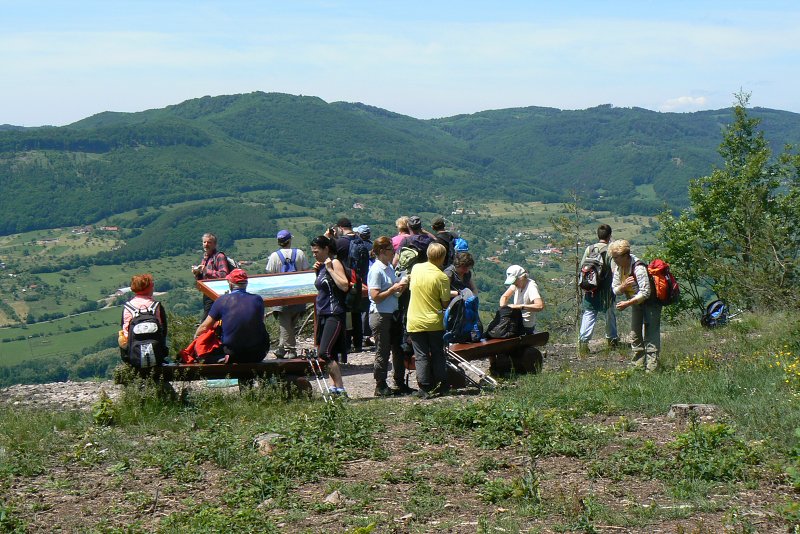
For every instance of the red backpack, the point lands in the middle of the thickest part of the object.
(664, 286)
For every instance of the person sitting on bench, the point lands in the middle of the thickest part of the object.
(244, 336)
(522, 294)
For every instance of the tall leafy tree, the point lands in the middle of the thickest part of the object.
(739, 237)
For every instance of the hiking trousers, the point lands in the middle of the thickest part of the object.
(646, 329)
(589, 319)
(430, 361)
(381, 325)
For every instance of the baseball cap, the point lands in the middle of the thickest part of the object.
(514, 272)
(284, 235)
(414, 222)
(363, 230)
(237, 276)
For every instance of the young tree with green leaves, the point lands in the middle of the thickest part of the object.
(739, 238)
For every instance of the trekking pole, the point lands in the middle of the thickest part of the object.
(457, 363)
(316, 371)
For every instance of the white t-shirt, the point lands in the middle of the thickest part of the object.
(527, 295)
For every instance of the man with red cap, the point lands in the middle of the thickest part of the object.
(244, 337)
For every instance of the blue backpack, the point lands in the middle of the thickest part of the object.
(461, 321)
(289, 265)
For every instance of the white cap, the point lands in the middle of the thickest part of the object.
(514, 272)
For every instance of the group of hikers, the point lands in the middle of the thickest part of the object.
(411, 279)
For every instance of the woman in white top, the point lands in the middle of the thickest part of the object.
(523, 294)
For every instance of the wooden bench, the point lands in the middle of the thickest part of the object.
(517, 353)
(291, 370)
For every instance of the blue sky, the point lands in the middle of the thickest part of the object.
(62, 61)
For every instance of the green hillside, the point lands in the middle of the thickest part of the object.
(218, 146)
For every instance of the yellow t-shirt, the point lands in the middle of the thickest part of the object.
(429, 287)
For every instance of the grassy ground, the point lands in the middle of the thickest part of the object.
(583, 447)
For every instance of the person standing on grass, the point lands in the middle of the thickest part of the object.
(286, 260)
(212, 265)
(430, 295)
(384, 289)
(602, 299)
(632, 283)
(332, 285)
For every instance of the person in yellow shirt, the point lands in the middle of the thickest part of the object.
(430, 294)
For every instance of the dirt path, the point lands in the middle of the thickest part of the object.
(357, 374)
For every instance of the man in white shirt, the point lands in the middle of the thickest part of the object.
(286, 260)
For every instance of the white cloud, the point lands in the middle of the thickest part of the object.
(684, 103)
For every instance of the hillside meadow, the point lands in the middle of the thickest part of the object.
(585, 446)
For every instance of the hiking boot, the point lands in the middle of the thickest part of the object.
(280, 353)
(405, 389)
(382, 389)
(612, 343)
(421, 394)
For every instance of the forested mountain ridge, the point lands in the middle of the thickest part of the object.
(216, 146)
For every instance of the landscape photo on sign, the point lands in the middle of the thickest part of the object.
(272, 286)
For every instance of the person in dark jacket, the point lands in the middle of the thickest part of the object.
(244, 336)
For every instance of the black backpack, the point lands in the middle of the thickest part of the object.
(593, 270)
(288, 265)
(507, 323)
(448, 241)
(147, 337)
(716, 314)
(358, 256)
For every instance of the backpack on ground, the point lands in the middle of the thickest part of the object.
(507, 323)
(147, 339)
(664, 287)
(358, 256)
(288, 265)
(461, 321)
(594, 270)
(716, 314)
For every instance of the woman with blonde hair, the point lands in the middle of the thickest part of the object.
(430, 295)
(631, 282)
(402, 232)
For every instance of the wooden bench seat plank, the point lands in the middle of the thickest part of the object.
(489, 347)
